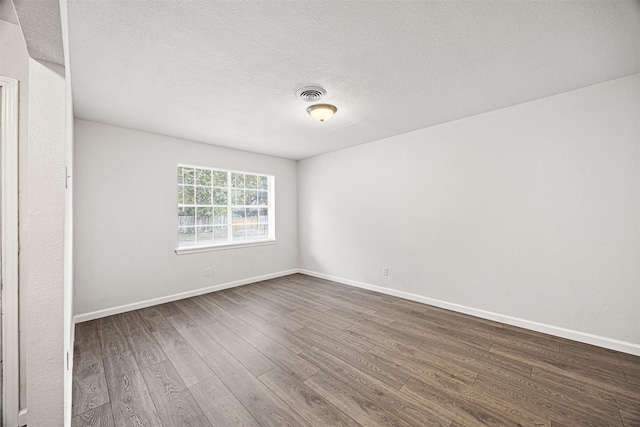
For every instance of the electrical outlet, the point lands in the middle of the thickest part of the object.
(385, 271)
(207, 271)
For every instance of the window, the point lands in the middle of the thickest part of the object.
(219, 207)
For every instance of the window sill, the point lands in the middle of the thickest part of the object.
(226, 246)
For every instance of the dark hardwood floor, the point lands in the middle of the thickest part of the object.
(300, 351)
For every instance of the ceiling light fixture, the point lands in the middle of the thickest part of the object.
(322, 112)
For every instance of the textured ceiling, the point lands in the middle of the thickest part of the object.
(226, 72)
(41, 26)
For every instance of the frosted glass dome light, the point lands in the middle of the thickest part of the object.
(322, 112)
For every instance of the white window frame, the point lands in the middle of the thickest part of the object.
(180, 250)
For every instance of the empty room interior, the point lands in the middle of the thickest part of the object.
(320, 213)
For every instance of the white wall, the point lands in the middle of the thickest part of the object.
(43, 246)
(125, 224)
(531, 211)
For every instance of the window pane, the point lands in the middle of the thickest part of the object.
(186, 236)
(180, 195)
(188, 175)
(237, 180)
(263, 216)
(219, 196)
(252, 231)
(263, 183)
(220, 234)
(251, 181)
(204, 235)
(203, 195)
(263, 198)
(238, 214)
(220, 216)
(264, 231)
(238, 232)
(180, 177)
(237, 197)
(250, 197)
(204, 216)
(186, 216)
(188, 195)
(219, 179)
(203, 177)
(252, 215)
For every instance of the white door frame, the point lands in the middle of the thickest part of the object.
(10, 248)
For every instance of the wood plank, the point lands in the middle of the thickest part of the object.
(173, 401)
(97, 417)
(197, 338)
(267, 408)
(475, 358)
(220, 315)
(289, 301)
(346, 337)
(276, 333)
(220, 406)
(593, 392)
(630, 418)
(168, 309)
(632, 377)
(382, 335)
(381, 394)
(224, 303)
(276, 318)
(312, 317)
(562, 363)
(153, 319)
(454, 370)
(345, 301)
(299, 300)
(89, 382)
(191, 367)
(131, 403)
(86, 331)
(285, 358)
(145, 348)
(352, 403)
(364, 362)
(421, 366)
(252, 359)
(112, 340)
(536, 398)
(257, 300)
(353, 317)
(129, 322)
(306, 402)
(463, 411)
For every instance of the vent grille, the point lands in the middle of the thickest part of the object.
(311, 93)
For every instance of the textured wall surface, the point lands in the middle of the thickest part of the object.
(530, 211)
(44, 245)
(125, 218)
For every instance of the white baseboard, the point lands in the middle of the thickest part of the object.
(610, 343)
(169, 298)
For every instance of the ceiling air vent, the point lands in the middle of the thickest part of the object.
(311, 93)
